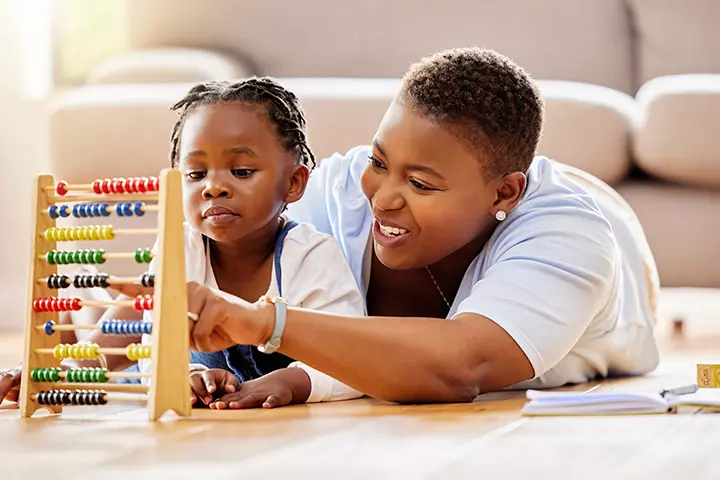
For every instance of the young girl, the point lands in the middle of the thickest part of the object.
(484, 266)
(244, 157)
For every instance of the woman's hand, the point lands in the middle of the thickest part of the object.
(132, 290)
(225, 320)
(279, 388)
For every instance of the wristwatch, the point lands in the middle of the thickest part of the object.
(280, 318)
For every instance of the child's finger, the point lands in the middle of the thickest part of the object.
(131, 290)
(197, 385)
(274, 401)
(209, 379)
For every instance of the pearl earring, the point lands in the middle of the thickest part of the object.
(500, 215)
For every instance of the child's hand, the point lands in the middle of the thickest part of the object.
(204, 384)
(276, 389)
(10, 384)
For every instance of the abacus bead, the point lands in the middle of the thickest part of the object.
(138, 302)
(58, 351)
(127, 209)
(100, 256)
(138, 255)
(34, 375)
(75, 304)
(97, 187)
(53, 211)
(122, 185)
(106, 185)
(48, 327)
(102, 375)
(50, 257)
(154, 184)
(105, 209)
(147, 328)
(119, 209)
(64, 211)
(61, 187)
(143, 184)
(147, 255)
(94, 210)
(75, 210)
(138, 209)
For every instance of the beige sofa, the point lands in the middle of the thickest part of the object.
(632, 90)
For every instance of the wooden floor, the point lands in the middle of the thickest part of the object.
(367, 439)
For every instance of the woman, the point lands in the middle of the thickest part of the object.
(543, 270)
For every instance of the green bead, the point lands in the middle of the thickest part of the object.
(33, 375)
(138, 255)
(86, 376)
(100, 256)
(56, 374)
(102, 377)
(50, 257)
(69, 375)
(65, 258)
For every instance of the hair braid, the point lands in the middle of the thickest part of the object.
(283, 109)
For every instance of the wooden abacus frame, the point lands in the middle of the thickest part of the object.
(169, 386)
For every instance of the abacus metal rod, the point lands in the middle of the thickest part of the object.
(119, 231)
(107, 303)
(99, 351)
(76, 186)
(116, 197)
(113, 398)
(113, 374)
(144, 209)
(136, 231)
(110, 387)
(108, 255)
(110, 281)
(72, 328)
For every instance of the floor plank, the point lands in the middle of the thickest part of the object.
(372, 439)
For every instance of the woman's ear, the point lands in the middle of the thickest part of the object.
(510, 190)
(298, 182)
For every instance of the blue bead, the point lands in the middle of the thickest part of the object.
(138, 209)
(49, 327)
(95, 210)
(53, 211)
(127, 209)
(83, 210)
(126, 328)
(64, 211)
(76, 210)
(105, 209)
(119, 209)
(148, 328)
(103, 327)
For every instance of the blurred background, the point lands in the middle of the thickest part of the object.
(632, 89)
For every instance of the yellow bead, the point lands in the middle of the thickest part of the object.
(145, 352)
(110, 235)
(58, 351)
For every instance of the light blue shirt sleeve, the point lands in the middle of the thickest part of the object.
(547, 273)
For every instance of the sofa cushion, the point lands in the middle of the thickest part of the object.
(579, 40)
(162, 65)
(681, 227)
(588, 127)
(676, 36)
(678, 136)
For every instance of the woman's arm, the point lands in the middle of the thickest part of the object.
(392, 358)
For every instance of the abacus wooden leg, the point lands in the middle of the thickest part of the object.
(170, 387)
(33, 337)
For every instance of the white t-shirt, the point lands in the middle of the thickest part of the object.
(568, 275)
(315, 276)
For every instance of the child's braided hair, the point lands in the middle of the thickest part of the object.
(283, 109)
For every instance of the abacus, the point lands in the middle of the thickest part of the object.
(44, 383)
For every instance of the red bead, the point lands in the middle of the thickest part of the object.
(65, 305)
(144, 184)
(61, 187)
(122, 185)
(75, 304)
(137, 305)
(106, 185)
(148, 302)
(97, 187)
(154, 184)
(43, 305)
(37, 305)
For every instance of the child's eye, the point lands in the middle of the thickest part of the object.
(376, 163)
(243, 172)
(196, 175)
(420, 186)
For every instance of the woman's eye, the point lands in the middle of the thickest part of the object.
(420, 186)
(195, 175)
(375, 162)
(242, 172)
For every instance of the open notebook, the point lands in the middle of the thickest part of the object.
(614, 403)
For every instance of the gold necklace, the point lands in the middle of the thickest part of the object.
(432, 277)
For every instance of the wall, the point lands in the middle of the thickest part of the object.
(23, 154)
